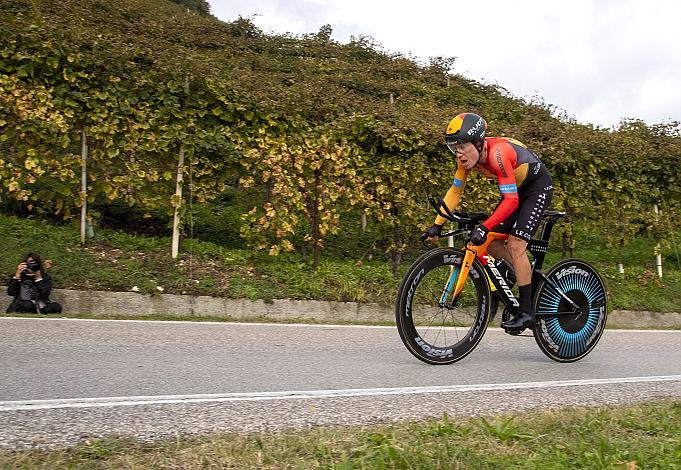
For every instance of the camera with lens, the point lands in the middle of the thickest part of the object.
(31, 266)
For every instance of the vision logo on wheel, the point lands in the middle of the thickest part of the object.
(571, 270)
(414, 283)
(482, 319)
(599, 326)
(433, 351)
(547, 337)
(437, 326)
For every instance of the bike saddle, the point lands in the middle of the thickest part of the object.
(553, 215)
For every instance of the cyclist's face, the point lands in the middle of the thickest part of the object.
(467, 155)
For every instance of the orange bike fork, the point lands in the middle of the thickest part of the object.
(472, 252)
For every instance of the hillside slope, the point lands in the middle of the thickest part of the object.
(310, 132)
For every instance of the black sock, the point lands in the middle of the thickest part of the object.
(525, 298)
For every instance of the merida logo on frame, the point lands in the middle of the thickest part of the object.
(502, 281)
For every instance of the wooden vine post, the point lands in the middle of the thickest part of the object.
(83, 187)
(175, 247)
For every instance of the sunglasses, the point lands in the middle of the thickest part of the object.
(455, 146)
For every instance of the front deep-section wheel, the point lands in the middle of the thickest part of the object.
(570, 337)
(435, 327)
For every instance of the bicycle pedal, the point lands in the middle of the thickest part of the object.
(514, 332)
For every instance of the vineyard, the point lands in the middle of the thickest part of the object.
(311, 137)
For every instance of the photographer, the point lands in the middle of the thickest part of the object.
(31, 288)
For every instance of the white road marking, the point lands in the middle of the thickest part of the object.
(199, 322)
(310, 394)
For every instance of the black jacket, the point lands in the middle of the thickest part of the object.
(41, 290)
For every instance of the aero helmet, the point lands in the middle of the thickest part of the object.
(466, 127)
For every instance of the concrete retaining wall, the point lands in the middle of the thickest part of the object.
(131, 303)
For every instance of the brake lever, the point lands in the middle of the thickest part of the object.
(455, 216)
(453, 233)
(438, 209)
(443, 204)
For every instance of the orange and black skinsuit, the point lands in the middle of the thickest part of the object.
(524, 184)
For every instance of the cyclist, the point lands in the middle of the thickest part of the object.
(525, 187)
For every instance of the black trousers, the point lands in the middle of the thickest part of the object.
(27, 306)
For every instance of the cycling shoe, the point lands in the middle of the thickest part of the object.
(519, 322)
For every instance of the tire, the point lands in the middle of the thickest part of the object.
(435, 334)
(568, 338)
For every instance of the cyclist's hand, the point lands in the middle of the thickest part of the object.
(479, 235)
(432, 233)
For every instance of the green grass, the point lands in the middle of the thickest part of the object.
(118, 261)
(632, 437)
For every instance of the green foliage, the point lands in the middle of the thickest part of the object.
(116, 260)
(503, 429)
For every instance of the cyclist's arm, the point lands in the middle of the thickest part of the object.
(500, 160)
(453, 196)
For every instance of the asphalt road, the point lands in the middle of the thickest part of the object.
(62, 381)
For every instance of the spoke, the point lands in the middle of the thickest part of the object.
(434, 325)
(432, 319)
(437, 336)
(443, 325)
(456, 330)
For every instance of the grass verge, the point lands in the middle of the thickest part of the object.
(122, 262)
(631, 437)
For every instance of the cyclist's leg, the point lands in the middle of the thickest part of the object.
(523, 273)
(533, 204)
(499, 251)
(516, 248)
(498, 247)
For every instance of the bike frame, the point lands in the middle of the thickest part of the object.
(538, 248)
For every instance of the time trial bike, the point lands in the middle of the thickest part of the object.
(443, 302)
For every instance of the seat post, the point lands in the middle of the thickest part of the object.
(547, 229)
(539, 247)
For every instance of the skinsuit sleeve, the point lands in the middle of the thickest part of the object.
(453, 196)
(500, 162)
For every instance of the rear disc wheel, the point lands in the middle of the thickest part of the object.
(568, 338)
